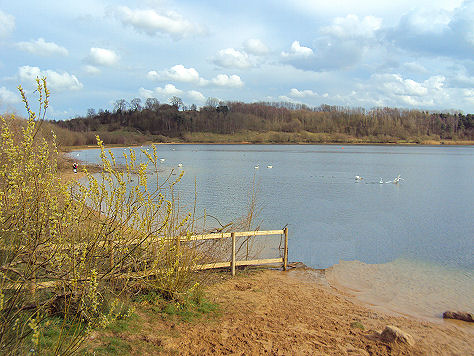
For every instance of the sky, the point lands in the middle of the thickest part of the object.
(366, 53)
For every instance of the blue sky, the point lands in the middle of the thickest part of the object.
(404, 53)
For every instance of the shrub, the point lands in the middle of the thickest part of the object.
(73, 250)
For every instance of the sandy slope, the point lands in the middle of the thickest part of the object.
(297, 313)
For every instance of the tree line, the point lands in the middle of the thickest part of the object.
(163, 121)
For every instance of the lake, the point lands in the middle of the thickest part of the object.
(420, 230)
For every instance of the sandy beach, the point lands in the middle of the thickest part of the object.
(292, 313)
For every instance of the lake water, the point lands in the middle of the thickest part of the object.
(421, 230)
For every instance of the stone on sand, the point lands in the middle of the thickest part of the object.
(394, 334)
(464, 316)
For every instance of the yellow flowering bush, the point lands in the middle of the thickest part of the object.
(74, 250)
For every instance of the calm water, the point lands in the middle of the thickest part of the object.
(426, 221)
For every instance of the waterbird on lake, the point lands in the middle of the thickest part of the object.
(180, 164)
(256, 167)
(381, 180)
(358, 178)
(396, 180)
(269, 166)
(162, 159)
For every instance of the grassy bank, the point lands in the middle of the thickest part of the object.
(306, 137)
(273, 137)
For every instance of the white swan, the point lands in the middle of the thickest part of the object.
(396, 180)
(269, 166)
(180, 164)
(256, 167)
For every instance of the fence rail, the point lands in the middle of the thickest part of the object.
(233, 262)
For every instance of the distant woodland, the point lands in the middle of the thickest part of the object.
(136, 122)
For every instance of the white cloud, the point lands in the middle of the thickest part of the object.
(302, 93)
(42, 48)
(224, 80)
(340, 45)
(165, 92)
(414, 67)
(351, 27)
(146, 93)
(169, 89)
(232, 58)
(196, 96)
(436, 32)
(385, 8)
(297, 50)
(151, 22)
(287, 99)
(55, 80)
(256, 47)
(7, 24)
(153, 75)
(394, 84)
(102, 57)
(8, 97)
(91, 70)
(394, 90)
(179, 73)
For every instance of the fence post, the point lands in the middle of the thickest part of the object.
(285, 252)
(232, 263)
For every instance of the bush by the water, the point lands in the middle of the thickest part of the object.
(76, 251)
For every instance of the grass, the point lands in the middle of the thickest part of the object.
(358, 325)
(190, 308)
(129, 336)
(111, 346)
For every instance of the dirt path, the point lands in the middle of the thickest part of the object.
(296, 313)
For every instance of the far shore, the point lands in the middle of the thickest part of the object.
(147, 143)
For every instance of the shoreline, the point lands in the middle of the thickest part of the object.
(265, 311)
(149, 143)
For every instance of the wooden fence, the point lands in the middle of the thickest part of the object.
(233, 262)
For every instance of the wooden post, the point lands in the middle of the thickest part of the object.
(232, 262)
(285, 252)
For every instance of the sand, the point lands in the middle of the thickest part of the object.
(295, 313)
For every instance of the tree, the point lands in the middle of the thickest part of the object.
(176, 102)
(136, 104)
(91, 112)
(152, 104)
(120, 105)
(212, 102)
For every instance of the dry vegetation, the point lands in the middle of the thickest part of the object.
(235, 122)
